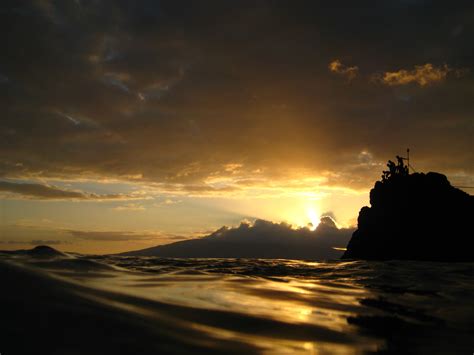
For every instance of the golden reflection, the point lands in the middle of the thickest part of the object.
(275, 314)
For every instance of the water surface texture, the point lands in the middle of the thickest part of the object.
(77, 304)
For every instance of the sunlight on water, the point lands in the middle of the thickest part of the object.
(271, 306)
(283, 300)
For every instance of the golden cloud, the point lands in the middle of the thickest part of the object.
(130, 207)
(337, 67)
(114, 236)
(423, 75)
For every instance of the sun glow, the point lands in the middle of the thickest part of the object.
(300, 213)
(314, 218)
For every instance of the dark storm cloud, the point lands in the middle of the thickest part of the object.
(46, 192)
(173, 90)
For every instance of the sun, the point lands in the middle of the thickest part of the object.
(314, 218)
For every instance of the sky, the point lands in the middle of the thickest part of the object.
(128, 124)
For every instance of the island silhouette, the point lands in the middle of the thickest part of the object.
(262, 240)
(414, 217)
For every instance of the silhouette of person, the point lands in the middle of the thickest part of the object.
(402, 169)
(391, 170)
(399, 164)
(392, 167)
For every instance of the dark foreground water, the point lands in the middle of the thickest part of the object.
(77, 304)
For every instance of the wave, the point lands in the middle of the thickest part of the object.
(69, 304)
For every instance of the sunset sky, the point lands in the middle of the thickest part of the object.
(127, 124)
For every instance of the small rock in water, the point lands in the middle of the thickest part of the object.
(44, 251)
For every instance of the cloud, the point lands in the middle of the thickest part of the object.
(130, 207)
(49, 192)
(280, 110)
(196, 190)
(423, 75)
(76, 120)
(262, 239)
(349, 72)
(114, 236)
(167, 202)
(117, 80)
(37, 242)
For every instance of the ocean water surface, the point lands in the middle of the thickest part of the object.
(82, 304)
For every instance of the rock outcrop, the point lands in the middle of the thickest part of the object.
(414, 217)
(44, 251)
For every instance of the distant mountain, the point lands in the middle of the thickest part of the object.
(414, 217)
(262, 239)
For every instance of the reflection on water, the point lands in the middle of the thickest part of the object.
(273, 306)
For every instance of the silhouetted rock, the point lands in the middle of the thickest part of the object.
(414, 217)
(44, 251)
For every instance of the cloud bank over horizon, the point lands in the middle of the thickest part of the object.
(261, 239)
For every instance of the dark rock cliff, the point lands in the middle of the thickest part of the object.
(414, 217)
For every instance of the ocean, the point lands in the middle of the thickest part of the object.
(84, 304)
